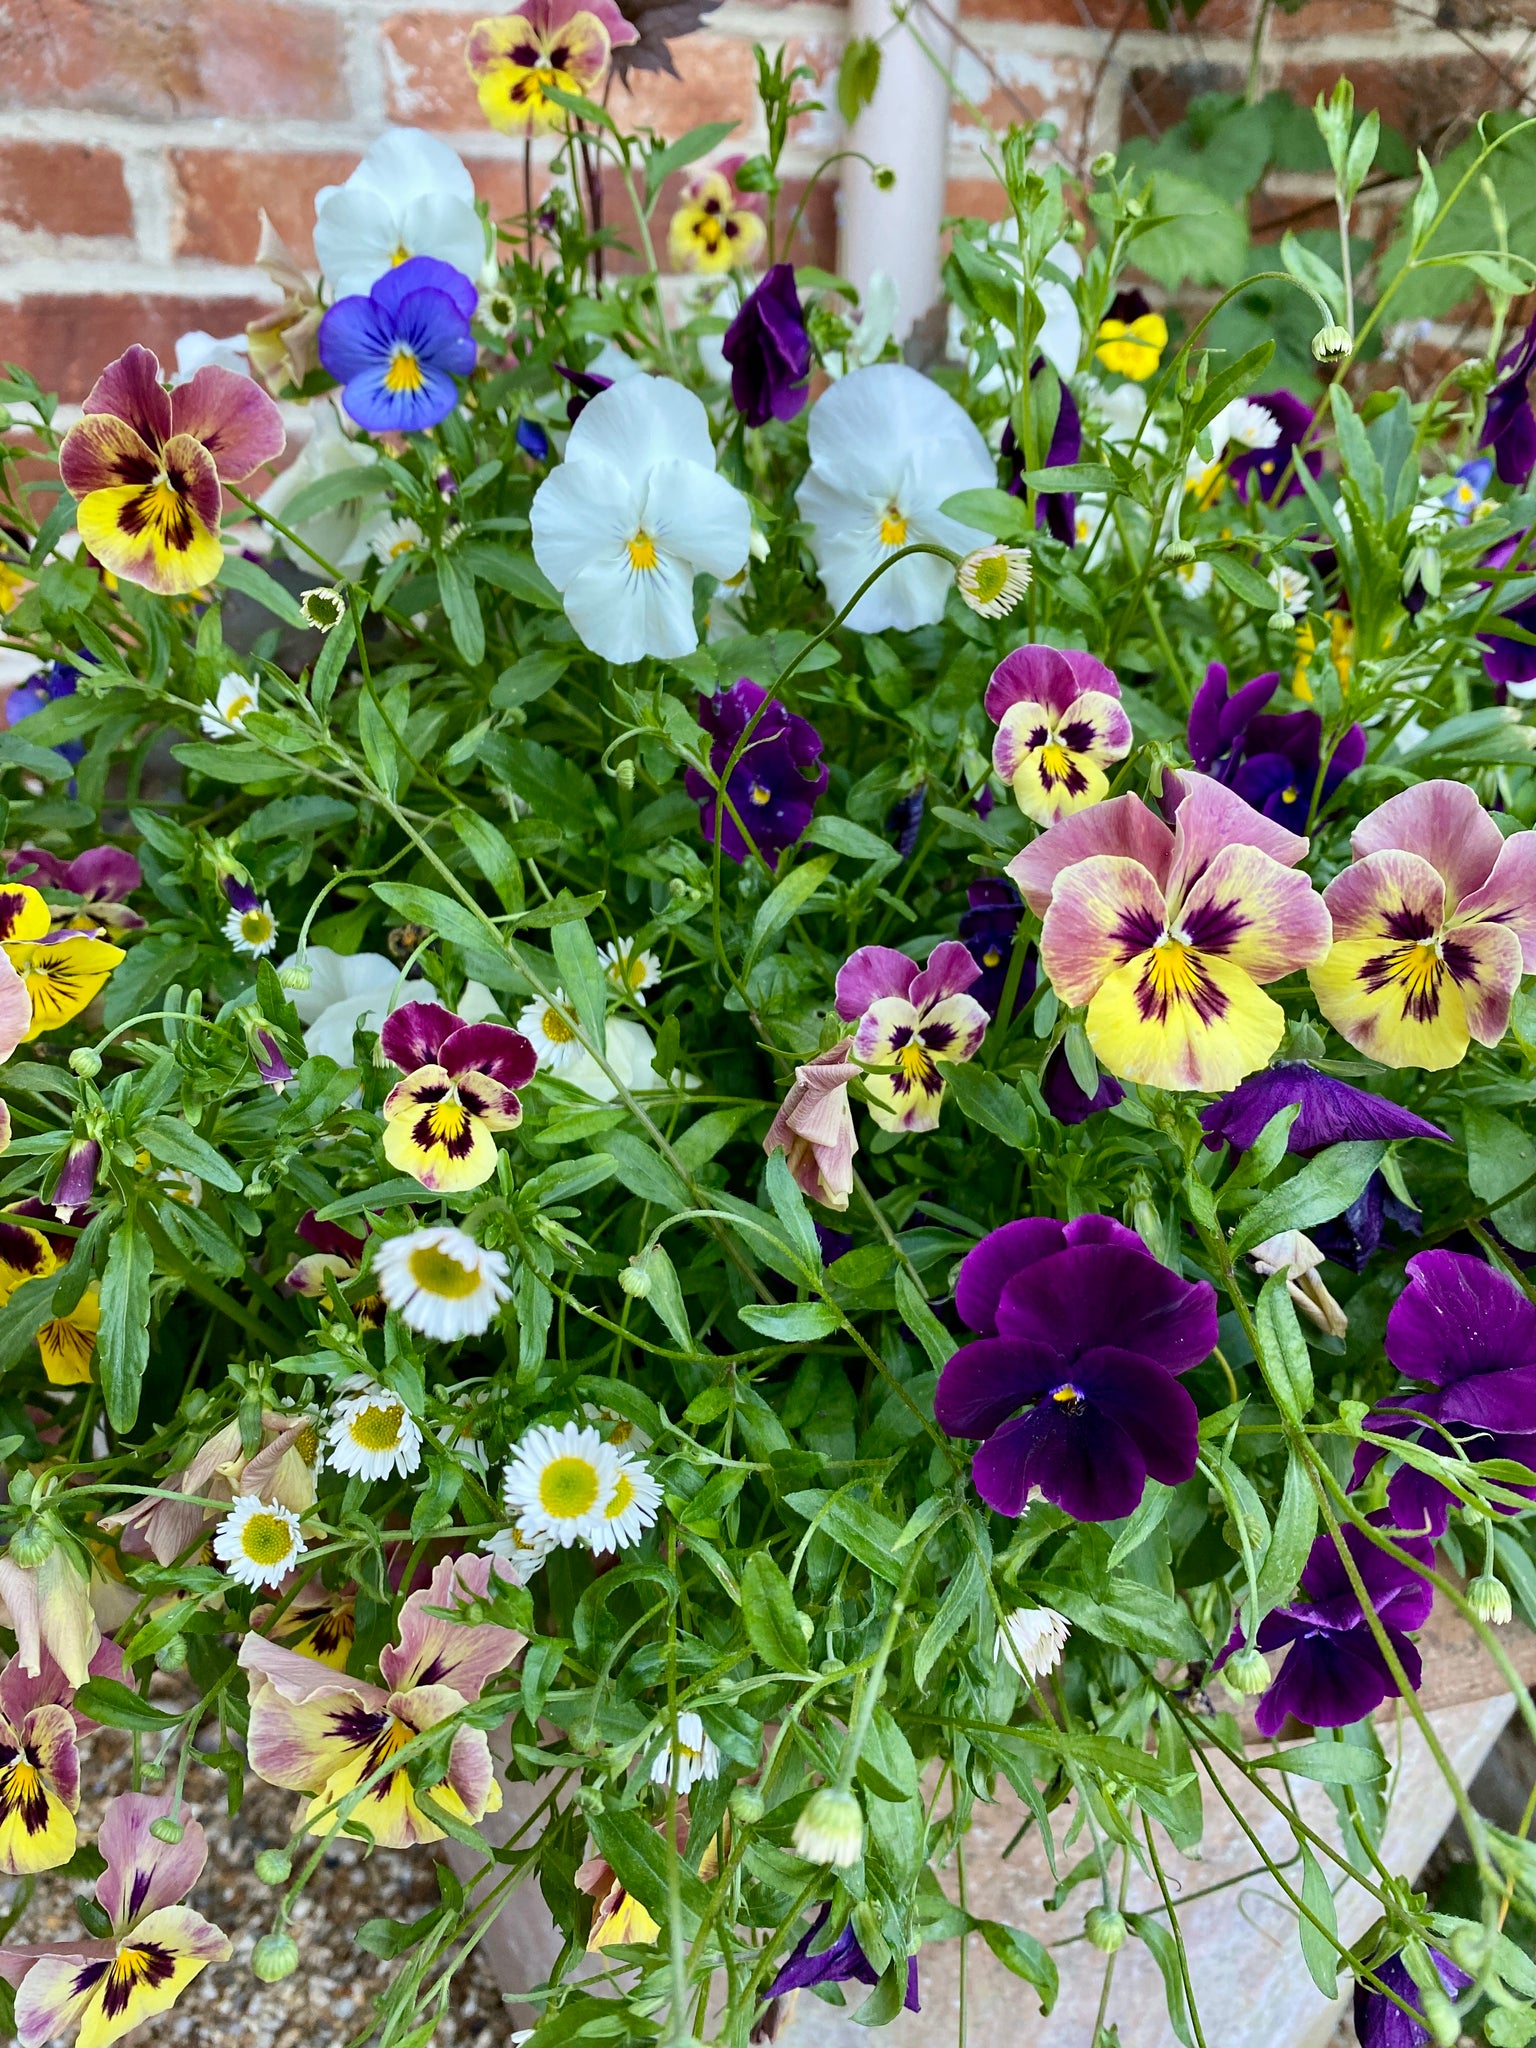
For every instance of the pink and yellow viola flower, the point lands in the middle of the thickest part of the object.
(321, 1733)
(714, 230)
(148, 465)
(1433, 926)
(460, 1087)
(58, 973)
(515, 58)
(910, 1022)
(95, 1991)
(1060, 724)
(1167, 935)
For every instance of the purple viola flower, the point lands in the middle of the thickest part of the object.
(35, 692)
(1056, 511)
(101, 878)
(1066, 1100)
(774, 785)
(769, 350)
(1468, 489)
(1354, 1238)
(272, 1067)
(1071, 1386)
(1506, 660)
(77, 1178)
(1271, 759)
(906, 820)
(532, 439)
(1509, 425)
(987, 927)
(1332, 1112)
(397, 352)
(585, 386)
(841, 1962)
(1381, 2023)
(1270, 473)
(1335, 1673)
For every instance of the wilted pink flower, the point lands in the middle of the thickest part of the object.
(814, 1127)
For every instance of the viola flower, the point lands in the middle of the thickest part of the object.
(585, 386)
(410, 196)
(236, 695)
(840, 1962)
(1057, 511)
(1272, 759)
(514, 58)
(987, 928)
(55, 974)
(39, 1770)
(267, 1056)
(1293, 1253)
(102, 878)
(1071, 1386)
(773, 787)
(67, 1344)
(321, 1733)
(629, 968)
(347, 993)
(249, 924)
(560, 1483)
(769, 350)
(631, 1508)
(1331, 1112)
(280, 344)
(1269, 471)
(632, 515)
(1066, 1100)
(146, 466)
(909, 1022)
(618, 1918)
(373, 1435)
(1509, 424)
(99, 1990)
(460, 1087)
(397, 352)
(1060, 723)
(1467, 498)
(441, 1283)
(1510, 663)
(714, 230)
(1131, 337)
(1433, 925)
(1167, 936)
(1380, 2023)
(887, 447)
(258, 1542)
(689, 1759)
(1335, 1673)
(1354, 1237)
(813, 1127)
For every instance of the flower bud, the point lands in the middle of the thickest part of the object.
(624, 773)
(1102, 164)
(171, 1656)
(1333, 344)
(884, 178)
(1177, 552)
(167, 1830)
(274, 1866)
(635, 1281)
(830, 1829)
(677, 888)
(85, 1061)
(153, 1772)
(1246, 1672)
(1105, 1928)
(1489, 1600)
(746, 1806)
(323, 607)
(274, 1957)
(296, 975)
(32, 1544)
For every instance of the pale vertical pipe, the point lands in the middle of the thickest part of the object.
(905, 127)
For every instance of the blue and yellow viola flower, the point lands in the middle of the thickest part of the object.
(397, 352)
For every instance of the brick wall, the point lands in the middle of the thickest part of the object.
(139, 137)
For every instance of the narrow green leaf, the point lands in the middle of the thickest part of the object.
(1317, 1951)
(770, 1615)
(122, 1343)
(582, 977)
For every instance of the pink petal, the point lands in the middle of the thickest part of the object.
(1104, 912)
(50, 1733)
(433, 1650)
(303, 1680)
(15, 1008)
(950, 971)
(131, 388)
(1208, 817)
(413, 1035)
(144, 1873)
(1443, 823)
(18, 1957)
(1508, 897)
(1249, 909)
(1051, 676)
(100, 452)
(1123, 828)
(869, 974)
(50, 1606)
(233, 417)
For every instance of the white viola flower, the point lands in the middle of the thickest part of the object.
(253, 931)
(440, 1282)
(550, 1029)
(723, 304)
(1293, 593)
(630, 970)
(632, 515)
(887, 448)
(560, 1483)
(197, 348)
(410, 196)
(1193, 578)
(1032, 1639)
(1298, 1258)
(389, 538)
(687, 1758)
(339, 534)
(348, 992)
(258, 1542)
(632, 1508)
(876, 322)
(373, 1435)
(237, 694)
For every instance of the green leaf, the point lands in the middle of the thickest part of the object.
(1197, 238)
(841, 835)
(488, 849)
(640, 1859)
(1283, 1350)
(781, 904)
(528, 679)
(858, 76)
(1072, 476)
(1243, 581)
(987, 1100)
(1501, 1158)
(770, 1615)
(857, 1527)
(1318, 1953)
(1135, 1617)
(1165, 1953)
(116, 1705)
(456, 584)
(958, 1606)
(254, 582)
(341, 487)
(791, 1322)
(1323, 1189)
(1290, 1543)
(789, 1207)
(241, 761)
(644, 1172)
(696, 1146)
(921, 1320)
(581, 973)
(330, 662)
(666, 1295)
(1026, 1957)
(1329, 1763)
(990, 511)
(444, 915)
(687, 149)
(122, 1343)
(174, 1143)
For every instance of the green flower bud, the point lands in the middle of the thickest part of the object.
(85, 1061)
(1246, 1672)
(167, 1830)
(635, 1281)
(1333, 344)
(624, 774)
(1489, 1600)
(884, 178)
(171, 1656)
(1102, 164)
(830, 1829)
(274, 1957)
(746, 1806)
(32, 1544)
(1178, 551)
(1105, 1928)
(274, 1866)
(296, 975)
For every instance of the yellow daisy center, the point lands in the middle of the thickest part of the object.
(642, 552)
(989, 578)
(405, 372)
(893, 528)
(266, 1539)
(435, 1272)
(623, 1496)
(377, 1427)
(557, 1028)
(237, 708)
(307, 1442)
(568, 1487)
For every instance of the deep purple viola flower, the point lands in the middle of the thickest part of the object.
(1509, 425)
(1271, 472)
(769, 350)
(1066, 1101)
(397, 352)
(240, 896)
(270, 1063)
(987, 927)
(1335, 1673)
(774, 785)
(532, 439)
(842, 1962)
(77, 1177)
(906, 820)
(1056, 511)
(1332, 1112)
(1354, 1238)
(1506, 660)
(1379, 2023)
(101, 877)
(1071, 1385)
(585, 385)
(331, 1238)
(1272, 759)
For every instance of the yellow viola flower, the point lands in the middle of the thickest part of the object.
(60, 972)
(1131, 339)
(712, 231)
(515, 58)
(68, 1343)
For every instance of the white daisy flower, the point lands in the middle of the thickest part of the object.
(631, 972)
(632, 1509)
(830, 1829)
(992, 580)
(1292, 591)
(373, 1435)
(252, 931)
(689, 1757)
(560, 1484)
(551, 1028)
(392, 538)
(440, 1282)
(1193, 578)
(1032, 1639)
(1243, 424)
(237, 694)
(258, 1542)
(524, 1553)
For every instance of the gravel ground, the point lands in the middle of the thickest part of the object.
(327, 2002)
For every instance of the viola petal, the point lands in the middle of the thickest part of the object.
(494, 1050)
(102, 452)
(1264, 918)
(1445, 825)
(414, 1035)
(1207, 817)
(1048, 676)
(1508, 897)
(988, 1267)
(1178, 1019)
(1104, 911)
(143, 1873)
(434, 1649)
(442, 1144)
(232, 417)
(1459, 1317)
(869, 974)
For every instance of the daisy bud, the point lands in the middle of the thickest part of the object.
(85, 1061)
(992, 580)
(635, 1281)
(172, 1656)
(296, 975)
(1102, 164)
(274, 1957)
(1105, 1929)
(1031, 1641)
(1489, 1600)
(1178, 551)
(32, 1544)
(624, 774)
(1246, 1672)
(746, 1806)
(323, 607)
(830, 1829)
(1281, 622)
(884, 177)
(167, 1830)
(274, 1866)
(1333, 344)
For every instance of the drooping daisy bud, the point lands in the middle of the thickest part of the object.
(1246, 1672)
(635, 1281)
(274, 1866)
(830, 1829)
(167, 1830)
(992, 580)
(1333, 344)
(274, 1957)
(746, 1806)
(1488, 1598)
(85, 1061)
(297, 975)
(1032, 1639)
(1105, 1929)
(1178, 551)
(32, 1545)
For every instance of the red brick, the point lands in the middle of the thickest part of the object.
(63, 188)
(1430, 101)
(975, 199)
(66, 339)
(1331, 18)
(170, 58)
(1159, 99)
(1032, 88)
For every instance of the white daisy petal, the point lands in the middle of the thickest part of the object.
(560, 1485)
(689, 1758)
(441, 1283)
(631, 1510)
(258, 1542)
(237, 695)
(373, 1435)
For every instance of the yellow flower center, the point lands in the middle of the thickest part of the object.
(1416, 969)
(893, 528)
(436, 1273)
(568, 1487)
(914, 1060)
(989, 577)
(1173, 969)
(623, 1495)
(405, 372)
(557, 1027)
(642, 552)
(759, 795)
(266, 1539)
(401, 255)
(255, 926)
(1055, 761)
(1066, 1395)
(307, 1442)
(238, 707)
(377, 1427)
